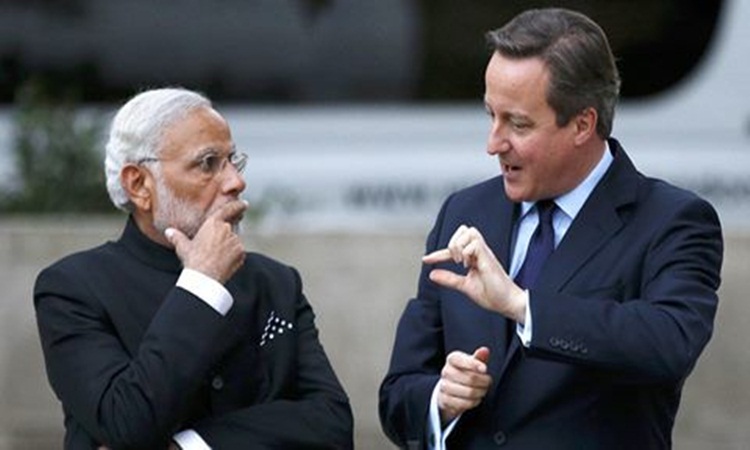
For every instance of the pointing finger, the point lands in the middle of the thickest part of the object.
(464, 361)
(437, 256)
(482, 354)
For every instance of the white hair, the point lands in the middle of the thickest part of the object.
(136, 131)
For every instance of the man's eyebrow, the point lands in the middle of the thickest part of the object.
(212, 151)
(517, 115)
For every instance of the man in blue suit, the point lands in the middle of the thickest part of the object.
(562, 304)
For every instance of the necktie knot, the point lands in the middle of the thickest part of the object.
(546, 209)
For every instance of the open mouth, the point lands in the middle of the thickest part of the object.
(507, 168)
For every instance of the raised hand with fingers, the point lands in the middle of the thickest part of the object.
(485, 282)
(215, 250)
(464, 382)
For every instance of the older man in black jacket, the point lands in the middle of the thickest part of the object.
(174, 336)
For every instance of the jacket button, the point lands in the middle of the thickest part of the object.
(499, 438)
(217, 383)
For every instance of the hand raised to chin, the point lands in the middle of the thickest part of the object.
(215, 250)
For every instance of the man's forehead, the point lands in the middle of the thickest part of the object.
(200, 131)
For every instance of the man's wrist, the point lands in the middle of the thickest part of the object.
(207, 289)
(519, 303)
(189, 440)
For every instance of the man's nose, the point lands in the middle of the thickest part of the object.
(232, 179)
(497, 141)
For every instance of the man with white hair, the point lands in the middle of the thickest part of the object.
(173, 336)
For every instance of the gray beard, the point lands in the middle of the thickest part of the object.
(177, 213)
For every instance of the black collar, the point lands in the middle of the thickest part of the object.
(147, 251)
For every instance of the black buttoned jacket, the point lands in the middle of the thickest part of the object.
(134, 359)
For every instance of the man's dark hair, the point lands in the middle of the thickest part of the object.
(575, 50)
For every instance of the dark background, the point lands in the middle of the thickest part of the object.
(316, 51)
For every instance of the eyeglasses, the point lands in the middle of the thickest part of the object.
(211, 164)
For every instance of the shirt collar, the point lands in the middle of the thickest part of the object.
(572, 202)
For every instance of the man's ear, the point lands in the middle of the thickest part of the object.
(585, 125)
(139, 185)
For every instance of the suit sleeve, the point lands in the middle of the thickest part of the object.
(122, 400)
(416, 361)
(313, 413)
(656, 328)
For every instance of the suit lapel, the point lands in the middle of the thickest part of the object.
(499, 237)
(495, 217)
(595, 224)
(586, 236)
(498, 231)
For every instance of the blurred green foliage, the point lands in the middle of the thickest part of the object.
(58, 164)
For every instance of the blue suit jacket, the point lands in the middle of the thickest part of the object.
(622, 310)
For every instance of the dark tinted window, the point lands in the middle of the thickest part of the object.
(656, 42)
(317, 50)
